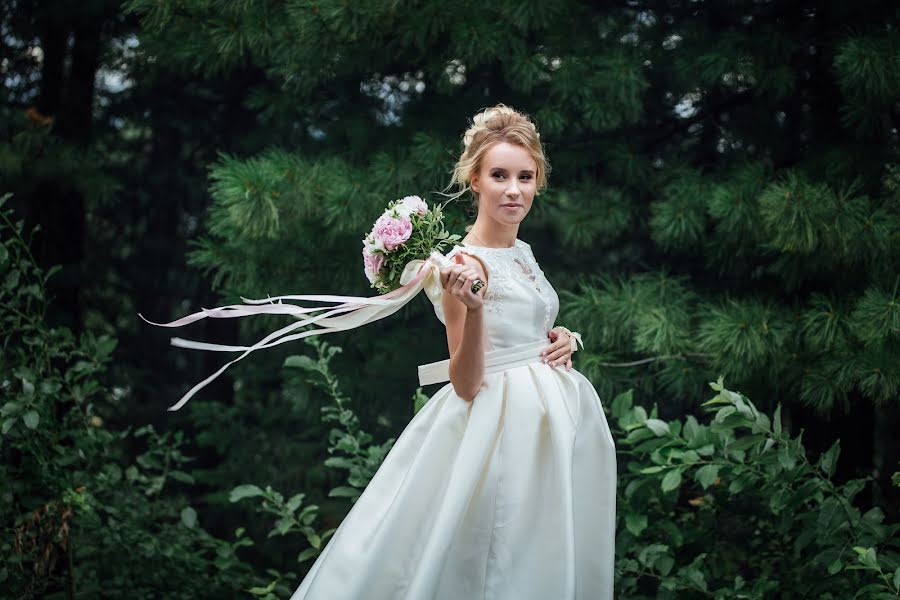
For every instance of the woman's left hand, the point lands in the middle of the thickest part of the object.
(559, 352)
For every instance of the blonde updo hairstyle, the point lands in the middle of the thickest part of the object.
(491, 126)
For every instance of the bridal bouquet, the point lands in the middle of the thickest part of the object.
(407, 231)
(401, 257)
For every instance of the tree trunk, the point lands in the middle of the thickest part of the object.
(57, 205)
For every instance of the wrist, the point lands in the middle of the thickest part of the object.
(573, 336)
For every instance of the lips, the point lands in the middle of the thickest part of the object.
(511, 205)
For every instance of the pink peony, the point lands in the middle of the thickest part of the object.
(412, 204)
(392, 231)
(372, 262)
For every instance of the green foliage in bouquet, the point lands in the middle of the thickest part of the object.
(428, 234)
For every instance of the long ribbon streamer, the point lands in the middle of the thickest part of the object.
(352, 312)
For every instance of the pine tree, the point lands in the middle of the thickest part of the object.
(724, 196)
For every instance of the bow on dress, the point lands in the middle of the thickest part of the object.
(346, 312)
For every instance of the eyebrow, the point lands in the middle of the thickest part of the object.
(528, 171)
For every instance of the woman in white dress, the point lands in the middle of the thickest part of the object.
(503, 486)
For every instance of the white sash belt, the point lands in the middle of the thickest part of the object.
(494, 361)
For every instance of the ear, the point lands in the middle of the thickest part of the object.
(474, 184)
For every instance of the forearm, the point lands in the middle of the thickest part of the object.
(467, 363)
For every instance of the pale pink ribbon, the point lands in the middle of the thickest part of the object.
(416, 276)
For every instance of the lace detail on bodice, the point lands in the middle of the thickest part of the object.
(534, 273)
(500, 275)
(520, 302)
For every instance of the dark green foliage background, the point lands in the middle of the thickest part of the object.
(724, 200)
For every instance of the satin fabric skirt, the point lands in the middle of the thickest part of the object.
(509, 497)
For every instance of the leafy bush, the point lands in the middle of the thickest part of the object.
(735, 509)
(729, 509)
(352, 450)
(78, 518)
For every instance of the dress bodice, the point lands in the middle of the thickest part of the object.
(520, 304)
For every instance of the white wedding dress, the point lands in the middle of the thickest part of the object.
(509, 497)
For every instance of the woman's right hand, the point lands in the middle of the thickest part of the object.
(457, 280)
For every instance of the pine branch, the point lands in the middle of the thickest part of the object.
(651, 359)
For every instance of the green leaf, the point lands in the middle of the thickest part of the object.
(295, 501)
(307, 554)
(692, 429)
(651, 470)
(724, 412)
(244, 491)
(283, 526)
(787, 458)
(260, 591)
(7, 425)
(870, 558)
(672, 480)
(639, 435)
(897, 578)
(706, 450)
(302, 362)
(31, 419)
(664, 564)
(344, 492)
(189, 517)
(778, 500)
(621, 404)
(697, 578)
(748, 441)
(776, 420)
(635, 523)
(105, 346)
(339, 462)
(50, 387)
(650, 554)
(828, 461)
(181, 476)
(657, 426)
(835, 567)
(707, 475)
(419, 401)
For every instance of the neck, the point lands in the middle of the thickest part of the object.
(493, 234)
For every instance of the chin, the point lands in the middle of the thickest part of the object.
(503, 216)
(506, 220)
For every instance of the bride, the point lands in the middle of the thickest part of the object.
(503, 486)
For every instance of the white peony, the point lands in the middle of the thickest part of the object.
(410, 205)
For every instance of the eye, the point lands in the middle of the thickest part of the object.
(498, 174)
(526, 177)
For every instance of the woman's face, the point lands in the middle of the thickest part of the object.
(505, 183)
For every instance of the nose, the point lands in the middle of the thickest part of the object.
(513, 189)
